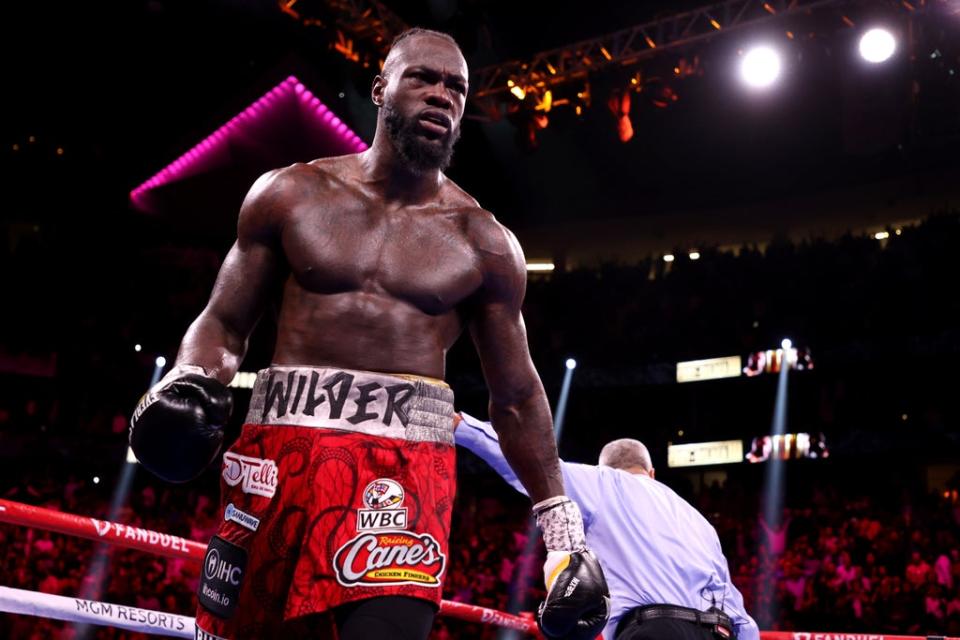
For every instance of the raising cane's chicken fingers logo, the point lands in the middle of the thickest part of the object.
(390, 557)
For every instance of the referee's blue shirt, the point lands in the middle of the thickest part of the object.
(655, 548)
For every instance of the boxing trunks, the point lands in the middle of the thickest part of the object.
(339, 488)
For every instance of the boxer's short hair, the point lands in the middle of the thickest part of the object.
(409, 33)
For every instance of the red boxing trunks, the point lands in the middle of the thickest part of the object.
(339, 488)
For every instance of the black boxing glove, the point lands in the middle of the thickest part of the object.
(177, 428)
(578, 599)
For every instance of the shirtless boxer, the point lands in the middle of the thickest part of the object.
(337, 494)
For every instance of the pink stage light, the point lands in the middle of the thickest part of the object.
(189, 161)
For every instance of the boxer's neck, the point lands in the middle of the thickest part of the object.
(385, 170)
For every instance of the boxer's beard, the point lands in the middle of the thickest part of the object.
(419, 154)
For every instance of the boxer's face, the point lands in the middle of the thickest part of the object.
(423, 93)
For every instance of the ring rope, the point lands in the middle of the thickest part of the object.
(45, 605)
(132, 618)
(127, 536)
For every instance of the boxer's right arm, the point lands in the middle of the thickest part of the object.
(248, 279)
(177, 427)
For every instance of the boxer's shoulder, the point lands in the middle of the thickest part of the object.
(337, 169)
(480, 227)
(489, 236)
(497, 249)
(281, 188)
(304, 182)
(453, 197)
(280, 193)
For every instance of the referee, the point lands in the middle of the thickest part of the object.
(667, 575)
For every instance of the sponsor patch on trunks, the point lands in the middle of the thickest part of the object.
(223, 569)
(384, 499)
(242, 518)
(390, 558)
(254, 475)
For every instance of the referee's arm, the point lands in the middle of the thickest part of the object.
(581, 481)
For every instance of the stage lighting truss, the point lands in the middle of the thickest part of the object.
(362, 31)
(632, 48)
(359, 30)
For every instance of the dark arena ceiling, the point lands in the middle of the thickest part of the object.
(126, 90)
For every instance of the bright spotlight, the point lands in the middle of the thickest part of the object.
(96, 479)
(877, 45)
(541, 265)
(161, 361)
(668, 257)
(694, 255)
(137, 348)
(760, 67)
(571, 363)
(787, 343)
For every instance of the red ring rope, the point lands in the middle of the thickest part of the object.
(122, 535)
(176, 547)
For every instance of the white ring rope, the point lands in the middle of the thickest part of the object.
(45, 605)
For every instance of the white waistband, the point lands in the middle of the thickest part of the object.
(373, 403)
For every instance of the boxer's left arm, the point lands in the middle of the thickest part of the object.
(577, 604)
(519, 410)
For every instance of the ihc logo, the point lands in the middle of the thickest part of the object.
(213, 560)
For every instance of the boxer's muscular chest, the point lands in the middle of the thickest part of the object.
(350, 242)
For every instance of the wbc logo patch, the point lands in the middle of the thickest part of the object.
(383, 499)
(383, 553)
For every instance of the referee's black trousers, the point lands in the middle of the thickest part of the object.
(665, 629)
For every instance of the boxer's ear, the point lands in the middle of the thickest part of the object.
(379, 86)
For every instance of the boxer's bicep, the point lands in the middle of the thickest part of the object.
(497, 326)
(245, 284)
(249, 274)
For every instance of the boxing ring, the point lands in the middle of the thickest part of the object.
(34, 603)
